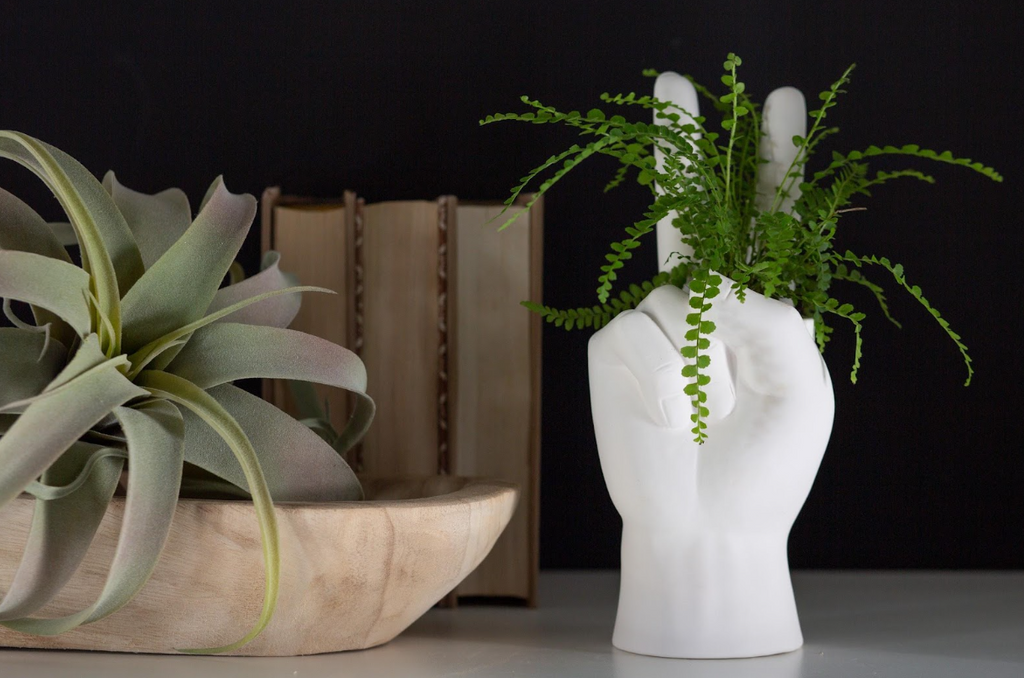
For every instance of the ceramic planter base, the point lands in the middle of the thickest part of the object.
(704, 566)
(354, 574)
(705, 596)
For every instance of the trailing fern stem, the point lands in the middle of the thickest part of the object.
(786, 251)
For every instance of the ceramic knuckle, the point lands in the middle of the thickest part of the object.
(667, 297)
(600, 346)
(675, 411)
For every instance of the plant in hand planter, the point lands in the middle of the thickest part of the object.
(772, 235)
(712, 405)
(129, 363)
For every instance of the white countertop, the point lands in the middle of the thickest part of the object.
(892, 625)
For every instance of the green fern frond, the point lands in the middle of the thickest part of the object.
(805, 144)
(847, 312)
(883, 177)
(840, 160)
(622, 251)
(853, 275)
(617, 179)
(704, 286)
(598, 316)
(530, 176)
(706, 185)
(897, 273)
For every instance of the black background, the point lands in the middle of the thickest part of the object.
(384, 98)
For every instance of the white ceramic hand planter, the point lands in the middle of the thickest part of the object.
(705, 572)
(704, 566)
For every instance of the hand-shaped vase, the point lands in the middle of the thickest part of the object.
(705, 572)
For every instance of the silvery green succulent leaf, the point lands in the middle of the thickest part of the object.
(179, 287)
(61, 530)
(54, 420)
(97, 222)
(58, 287)
(198, 402)
(272, 307)
(155, 439)
(88, 356)
(129, 362)
(159, 347)
(109, 252)
(274, 312)
(225, 352)
(157, 221)
(64, 232)
(22, 230)
(25, 367)
(40, 489)
(301, 476)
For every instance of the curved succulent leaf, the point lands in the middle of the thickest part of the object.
(210, 192)
(145, 355)
(225, 352)
(88, 356)
(157, 221)
(55, 419)
(236, 273)
(181, 284)
(309, 408)
(210, 487)
(23, 230)
(61, 531)
(59, 287)
(275, 311)
(193, 399)
(155, 438)
(109, 252)
(64, 232)
(311, 471)
(49, 490)
(25, 367)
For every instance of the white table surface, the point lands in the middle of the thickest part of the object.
(892, 625)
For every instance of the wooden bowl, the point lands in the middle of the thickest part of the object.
(353, 574)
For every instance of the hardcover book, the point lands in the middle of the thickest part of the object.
(428, 296)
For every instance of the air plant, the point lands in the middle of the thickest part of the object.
(128, 364)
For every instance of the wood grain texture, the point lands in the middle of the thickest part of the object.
(354, 574)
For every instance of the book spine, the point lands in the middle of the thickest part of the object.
(444, 211)
(358, 305)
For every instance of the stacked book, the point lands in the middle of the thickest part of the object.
(428, 296)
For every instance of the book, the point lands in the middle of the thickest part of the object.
(428, 296)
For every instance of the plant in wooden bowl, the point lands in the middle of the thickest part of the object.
(123, 377)
(712, 405)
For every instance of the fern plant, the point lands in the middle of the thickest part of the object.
(128, 363)
(780, 245)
